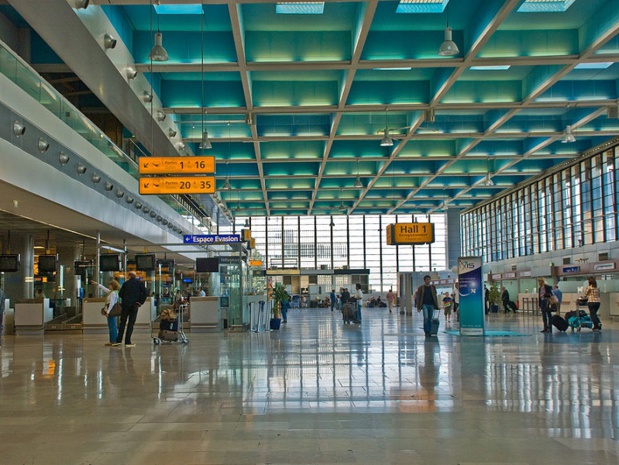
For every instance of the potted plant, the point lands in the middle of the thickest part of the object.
(278, 295)
(495, 297)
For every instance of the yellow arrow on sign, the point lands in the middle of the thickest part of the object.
(178, 185)
(177, 165)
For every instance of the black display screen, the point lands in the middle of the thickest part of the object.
(145, 262)
(109, 262)
(9, 263)
(48, 263)
(207, 265)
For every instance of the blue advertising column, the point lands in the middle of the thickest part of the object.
(471, 296)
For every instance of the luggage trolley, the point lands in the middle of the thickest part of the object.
(171, 327)
(580, 318)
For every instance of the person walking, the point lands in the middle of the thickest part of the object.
(545, 291)
(333, 299)
(508, 305)
(359, 297)
(426, 300)
(110, 301)
(132, 295)
(559, 295)
(592, 293)
(2, 300)
(456, 294)
(390, 299)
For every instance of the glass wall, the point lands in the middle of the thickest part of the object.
(356, 242)
(570, 208)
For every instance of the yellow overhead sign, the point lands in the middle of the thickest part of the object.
(177, 165)
(410, 233)
(178, 185)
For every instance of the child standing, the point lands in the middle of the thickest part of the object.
(447, 305)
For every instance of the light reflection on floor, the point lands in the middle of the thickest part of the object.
(317, 391)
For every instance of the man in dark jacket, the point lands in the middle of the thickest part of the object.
(426, 301)
(132, 295)
(508, 305)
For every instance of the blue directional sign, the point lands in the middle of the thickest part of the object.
(212, 239)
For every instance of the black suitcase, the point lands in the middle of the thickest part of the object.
(559, 322)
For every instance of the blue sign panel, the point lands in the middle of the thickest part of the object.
(212, 239)
(571, 269)
(471, 296)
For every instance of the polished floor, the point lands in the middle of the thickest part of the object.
(315, 392)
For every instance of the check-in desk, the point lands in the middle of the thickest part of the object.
(94, 322)
(206, 314)
(31, 316)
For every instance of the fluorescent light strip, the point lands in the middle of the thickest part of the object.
(545, 6)
(490, 68)
(601, 65)
(194, 9)
(421, 6)
(300, 8)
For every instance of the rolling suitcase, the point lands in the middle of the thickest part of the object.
(435, 323)
(559, 322)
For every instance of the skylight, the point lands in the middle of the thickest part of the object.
(490, 68)
(188, 9)
(421, 6)
(545, 6)
(601, 65)
(300, 8)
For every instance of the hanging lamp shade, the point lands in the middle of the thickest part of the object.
(205, 144)
(387, 141)
(158, 53)
(226, 185)
(568, 137)
(448, 47)
(358, 184)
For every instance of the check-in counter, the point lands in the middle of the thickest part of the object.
(206, 314)
(94, 322)
(31, 316)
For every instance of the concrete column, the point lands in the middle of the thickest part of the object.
(67, 283)
(20, 285)
(453, 237)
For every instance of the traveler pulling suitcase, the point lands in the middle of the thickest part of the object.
(559, 322)
(435, 323)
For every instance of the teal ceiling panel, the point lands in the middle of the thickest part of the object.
(600, 71)
(294, 125)
(296, 94)
(571, 90)
(484, 92)
(369, 124)
(604, 19)
(305, 150)
(538, 78)
(221, 94)
(405, 45)
(531, 43)
(336, 17)
(291, 169)
(295, 194)
(290, 183)
(514, 73)
(215, 18)
(376, 93)
(395, 75)
(185, 47)
(492, 147)
(121, 22)
(357, 148)
(224, 151)
(242, 169)
(428, 148)
(297, 46)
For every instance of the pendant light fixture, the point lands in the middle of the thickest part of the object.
(568, 137)
(386, 141)
(158, 53)
(358, 184)
(448, 47)
(205, 144)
